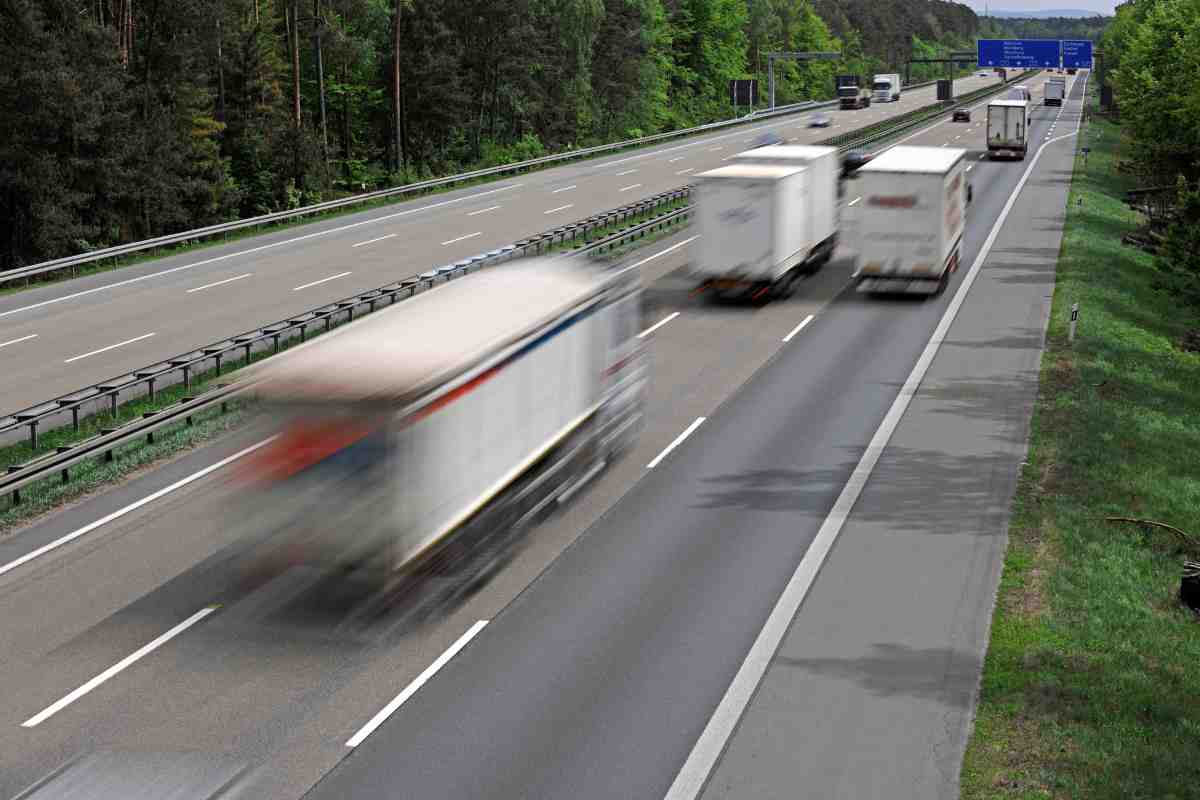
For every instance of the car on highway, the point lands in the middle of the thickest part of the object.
(961, 115)
(983, 73)
(820, 120)
(768, 139)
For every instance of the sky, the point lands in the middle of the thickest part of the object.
(1098, 6)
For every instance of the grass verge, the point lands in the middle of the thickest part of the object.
(1090, 687)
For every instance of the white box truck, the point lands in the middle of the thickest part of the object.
(886, 88)
(1008, 128)
(434, 431)
(755, 232)
(911, 219)
(824, 208)
(1054, 90)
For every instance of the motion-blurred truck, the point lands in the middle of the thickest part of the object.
(851, 93)
(1008, 128)
(427, 436)
(763, 226)
(1054, 91)
(823, 212)
(911, 219)
(886, 88)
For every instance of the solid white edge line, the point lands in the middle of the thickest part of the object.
(417, 683)
(560, 208)
(373, 241)
(657, 325)
(259, 249)
(691, 779)
(110, 347)
(130, 659)
(480, 211)
(323, 280)
(798, 328)
(221, 283)
(150, 498)
(678, 441)
(673, 247)
(18, 341)
(463, 238)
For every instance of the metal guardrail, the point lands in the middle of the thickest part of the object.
(272, 335)
(116, 251)
(108, 440)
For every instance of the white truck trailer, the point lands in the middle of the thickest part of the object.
(886, 88)
(759, 227)
(1008, 128)
(824, 209)
(433, 432)
(911, 219)
(1054, 90)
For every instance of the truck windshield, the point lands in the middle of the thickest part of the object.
(882, 85)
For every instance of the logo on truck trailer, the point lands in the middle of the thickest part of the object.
(894, 201)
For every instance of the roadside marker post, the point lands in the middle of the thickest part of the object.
(1074, 319)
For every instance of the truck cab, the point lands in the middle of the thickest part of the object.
(886, 88)
(851, 93)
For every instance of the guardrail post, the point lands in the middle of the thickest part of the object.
(187, 377)
(75, 418)
(33, 437)
(218, 360)
(150, 383)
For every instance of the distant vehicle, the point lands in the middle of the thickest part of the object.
(983, 73)
(1019, 92)
(768, 139)
(853, 161)
(430, 435)
(762, 226)
(1008, 128)
(1070, 70)
(851, 92)
(911, 220)
(886, 88)
(961, 115)
(1054, 91)
(820, 120)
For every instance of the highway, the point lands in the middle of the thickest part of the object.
(69, 335)
(614, 634)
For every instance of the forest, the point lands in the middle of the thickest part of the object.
(126, 119)
(1151, 58)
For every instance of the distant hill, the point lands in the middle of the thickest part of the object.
(1068, 13)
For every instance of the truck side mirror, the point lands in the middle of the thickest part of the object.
(970, 193)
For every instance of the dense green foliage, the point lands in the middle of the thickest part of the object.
(1152, 53)
(125, 119)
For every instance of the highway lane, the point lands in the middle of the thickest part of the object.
(78, 332)
(211, 689)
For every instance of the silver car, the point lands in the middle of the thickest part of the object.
(820, 120)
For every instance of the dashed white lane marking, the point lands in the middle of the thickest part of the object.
(418, 682)
(323, 280)
(480, 211)
(227, 280)
(798, 328)
(852, 202)
(631, 186)
(678, 441)
(685, 171)
(110, 347)
(560, 208)
(130, 659)
(657, 325)
(373, 241)
(462, 238)
(18, 341)
(676, 158)
(626, 172)
(564, 189)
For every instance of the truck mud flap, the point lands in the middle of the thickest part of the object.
(910, 286)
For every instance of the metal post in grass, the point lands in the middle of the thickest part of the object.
(1074, 319)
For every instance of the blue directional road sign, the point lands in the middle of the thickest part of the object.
(1019, 53)
(1077, 54)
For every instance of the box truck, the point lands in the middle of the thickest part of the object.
(886, 88)
(432, 433)
(851, 93)
(1054, 91)
(757, 229)
(824, 207)
(911, 219)
(1008, 128)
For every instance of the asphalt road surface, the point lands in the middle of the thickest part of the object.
(614, 634)
(61, 338)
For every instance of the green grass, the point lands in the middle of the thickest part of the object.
(1091, 686)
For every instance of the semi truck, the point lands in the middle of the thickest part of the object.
(822, 214)
(911, 219)
(1054, 91)
(1008, 128)
(886, 88)
(761, 226)
(429, 436)
(851, 93)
